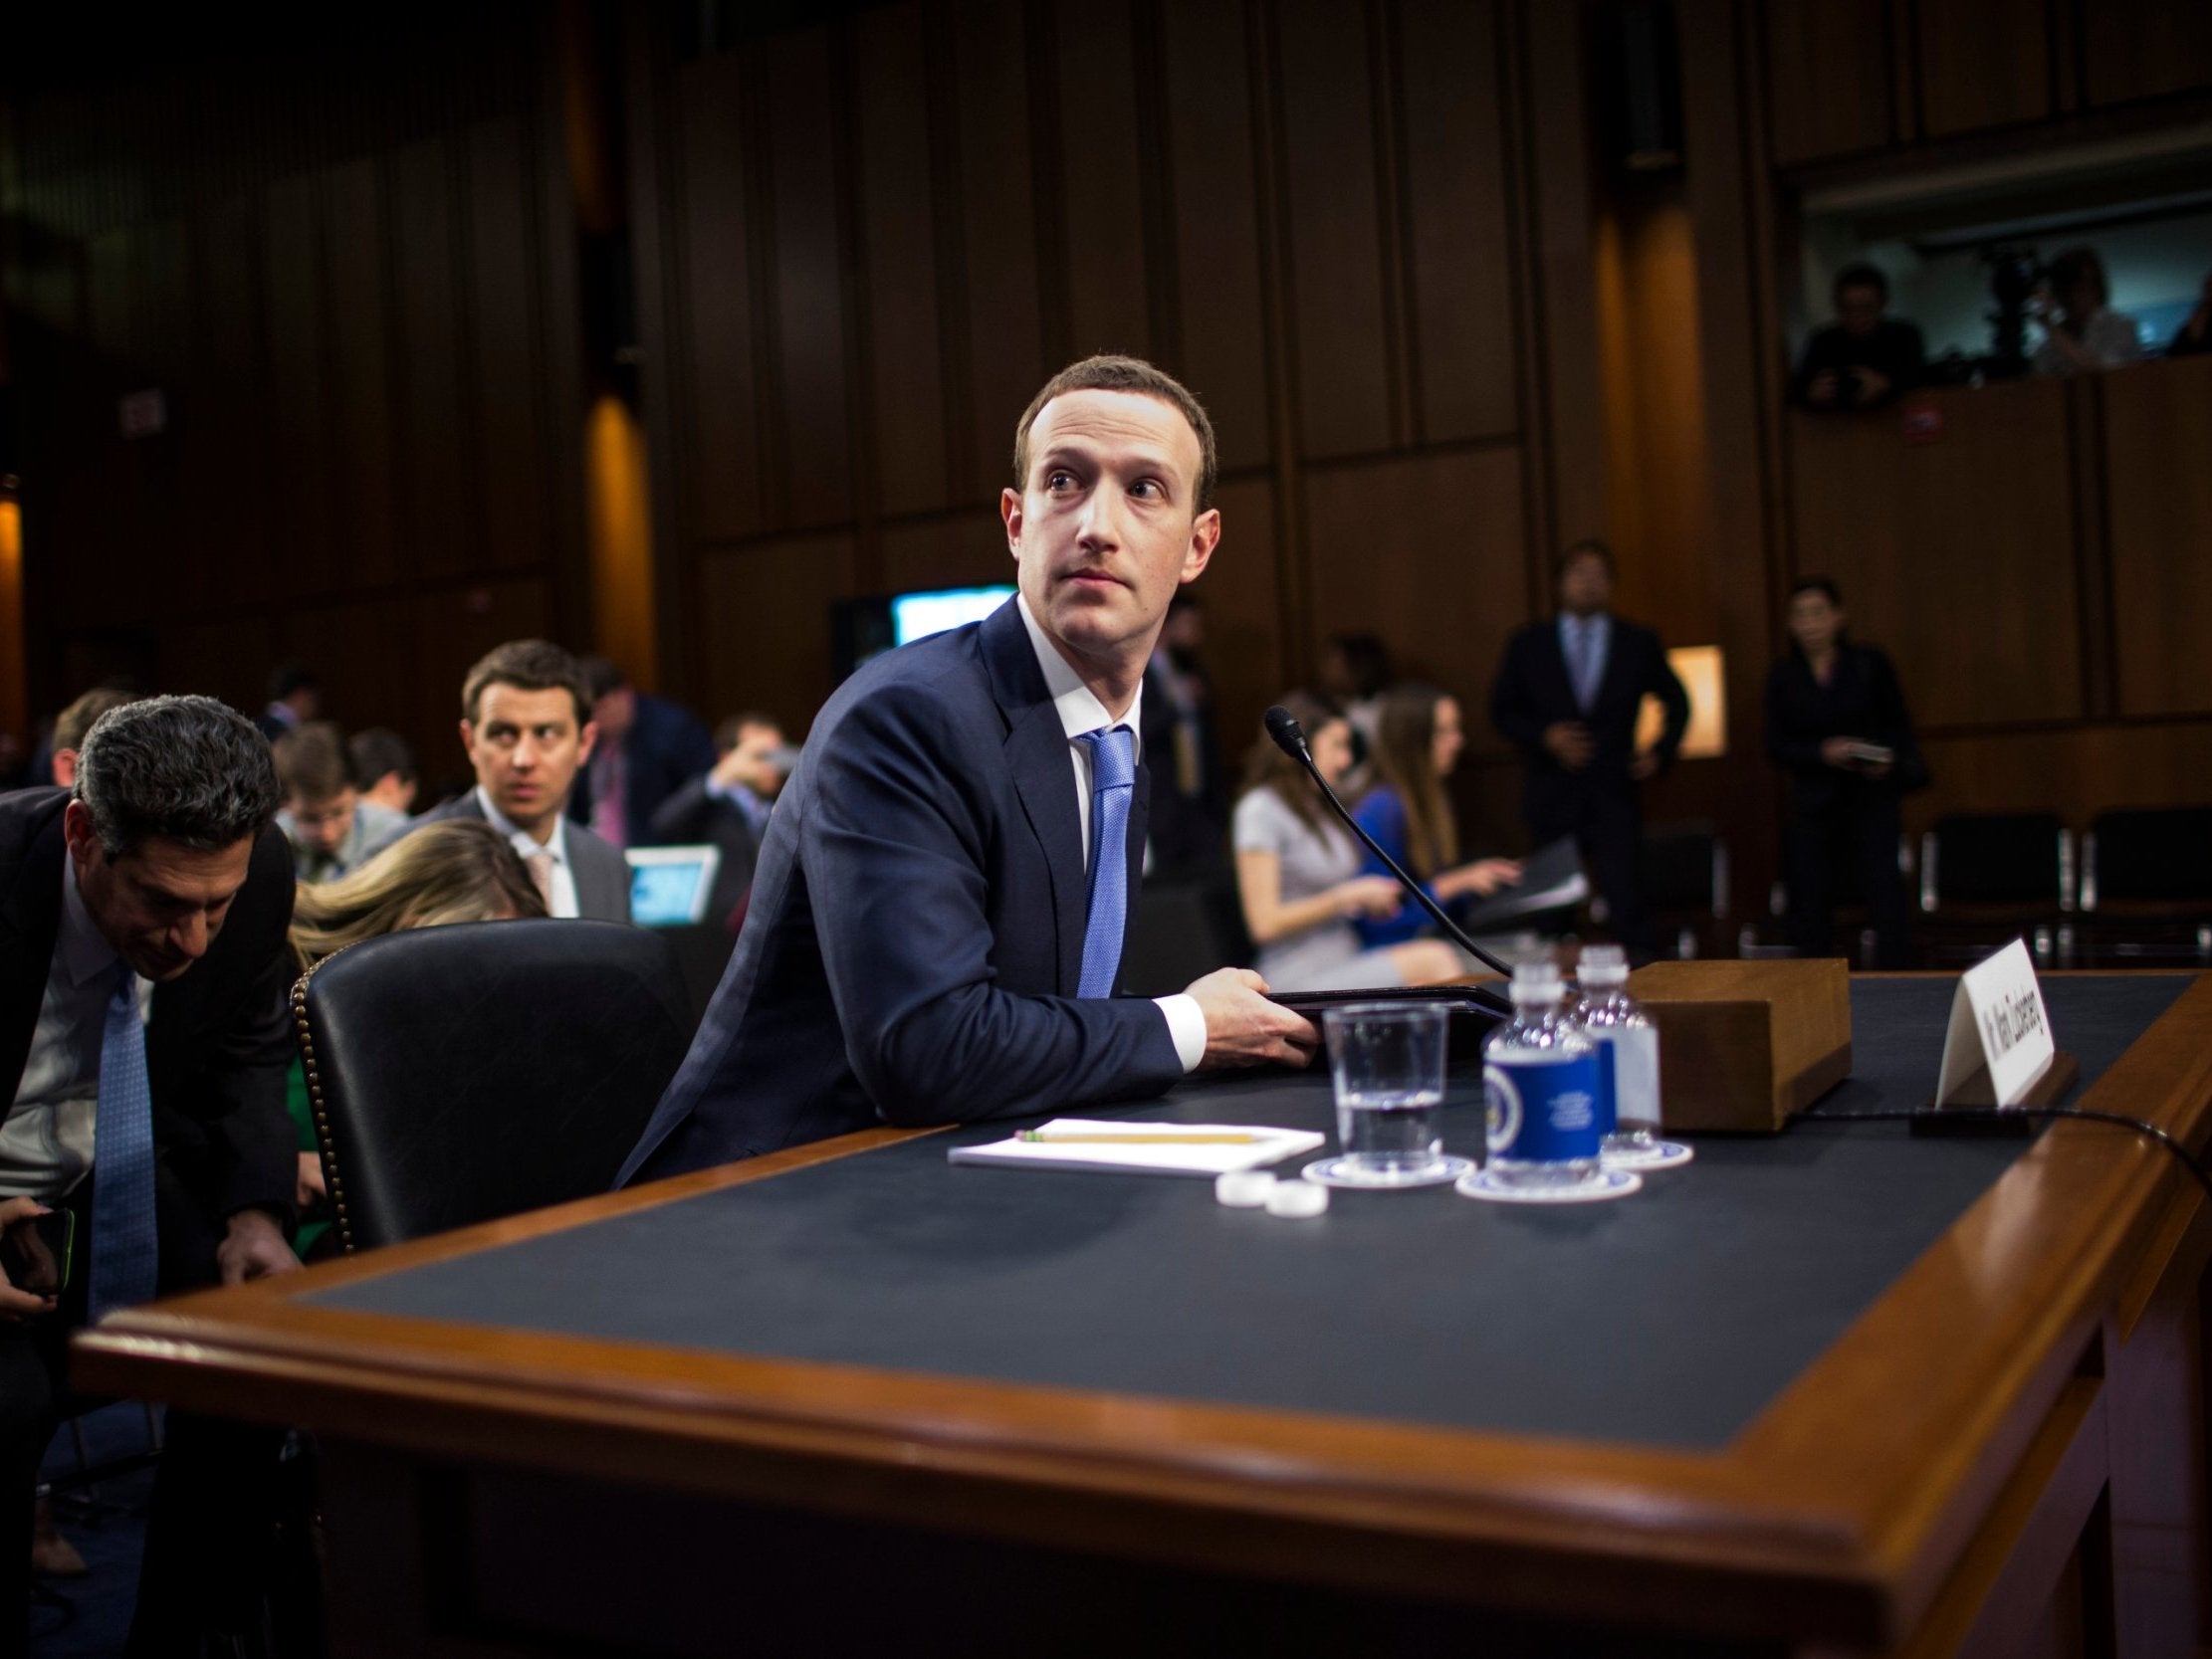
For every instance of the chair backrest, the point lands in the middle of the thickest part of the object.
(1181, 929)
(1997, 858)
(2151, 855)
(1684, 867)
(465, 1073)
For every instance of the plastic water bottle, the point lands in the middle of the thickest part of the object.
(1628, 1053)
(1540, 1074)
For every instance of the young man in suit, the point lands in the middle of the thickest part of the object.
(1567, 696)
(144, 1044)
(937, 914)
(525, 721)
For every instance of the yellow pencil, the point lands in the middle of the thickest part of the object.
(1141, 1139)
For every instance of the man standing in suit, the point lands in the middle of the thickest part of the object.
(525, 721)
(1567, 696)
(144, 1044)
(936, 918)
(647, 749)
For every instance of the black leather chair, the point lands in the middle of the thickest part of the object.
(1986, 877)
(2146, 888)
(464, 1073)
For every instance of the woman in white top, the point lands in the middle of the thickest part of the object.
(2079, 335)
(1297, 871)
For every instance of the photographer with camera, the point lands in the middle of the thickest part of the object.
(1865, 358)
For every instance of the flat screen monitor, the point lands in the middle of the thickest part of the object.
(861, 629)
(917, 615)
(669, 886)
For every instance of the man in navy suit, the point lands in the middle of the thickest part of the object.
(933, 936)
(1567, 696)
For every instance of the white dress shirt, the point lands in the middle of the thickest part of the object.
(562, 901)
(1080, 712)
(46, 1145)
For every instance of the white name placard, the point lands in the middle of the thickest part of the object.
(1999, 1042)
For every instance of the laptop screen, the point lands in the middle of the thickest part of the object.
(670, 885)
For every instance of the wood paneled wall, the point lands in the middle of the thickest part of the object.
(347, 266)
(883, 233)
(1853, 78)
(2035, 558)
(2036, 568)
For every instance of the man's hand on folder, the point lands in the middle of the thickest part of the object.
(1242, 1026)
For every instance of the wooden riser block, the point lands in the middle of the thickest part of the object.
(1744, 1045)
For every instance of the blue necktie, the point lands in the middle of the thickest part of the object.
(1113, 778)
(1584, 632)
(123, 1246)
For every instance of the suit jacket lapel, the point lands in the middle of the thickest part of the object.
(1556, 666)
(1043, 776)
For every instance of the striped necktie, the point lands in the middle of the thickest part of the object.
(1113, 780)
(122, 1245)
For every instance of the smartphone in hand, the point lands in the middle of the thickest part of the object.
(35, 1251)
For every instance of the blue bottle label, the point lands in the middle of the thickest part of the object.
(1545, 1113)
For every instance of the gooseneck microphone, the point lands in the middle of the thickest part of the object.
(1287, 736)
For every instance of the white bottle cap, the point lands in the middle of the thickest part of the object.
(1297, 1200)
(1537, 981)
(1243, 1189)
(1603, 964)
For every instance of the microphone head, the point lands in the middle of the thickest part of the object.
(1286, 733)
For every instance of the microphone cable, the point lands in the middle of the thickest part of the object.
(1291, 738)
(2009, 1115)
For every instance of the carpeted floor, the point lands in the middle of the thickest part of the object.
(88, 1617)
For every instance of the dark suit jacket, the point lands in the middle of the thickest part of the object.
(602, 874)
(915, 931)
(218, 1039)
(665, 749)
(1861, 700)
(1533, 691)
(692, 817)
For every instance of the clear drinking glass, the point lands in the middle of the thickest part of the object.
(1387, 1060)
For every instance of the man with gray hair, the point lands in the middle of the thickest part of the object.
(143, 1046)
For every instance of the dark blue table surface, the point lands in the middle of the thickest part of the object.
(1669, 1319)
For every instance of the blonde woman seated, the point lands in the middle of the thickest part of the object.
(453, 870)
(1297, 871)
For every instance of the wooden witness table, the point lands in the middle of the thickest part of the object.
(1992, 1446)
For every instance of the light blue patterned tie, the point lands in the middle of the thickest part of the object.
(1584, 632)
(123, 1246)
(1113, 779)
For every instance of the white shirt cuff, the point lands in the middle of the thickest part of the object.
(1186, 1027)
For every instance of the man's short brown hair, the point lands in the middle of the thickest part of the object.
(314, 763)
(529, 664)
(74, 721)
(1123, 374)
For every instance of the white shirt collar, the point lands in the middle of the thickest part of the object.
(85, 952)
(1076, 704)
(556, 844)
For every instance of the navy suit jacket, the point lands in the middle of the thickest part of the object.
(915, 936)
(1533, 691)
(218, 1040)
(664, 749)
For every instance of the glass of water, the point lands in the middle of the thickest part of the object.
(1387, 1060)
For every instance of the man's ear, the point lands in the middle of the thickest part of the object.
(79, 833)
(1205, 535)
(468, 737)
(1009, 511)
(585, 737)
